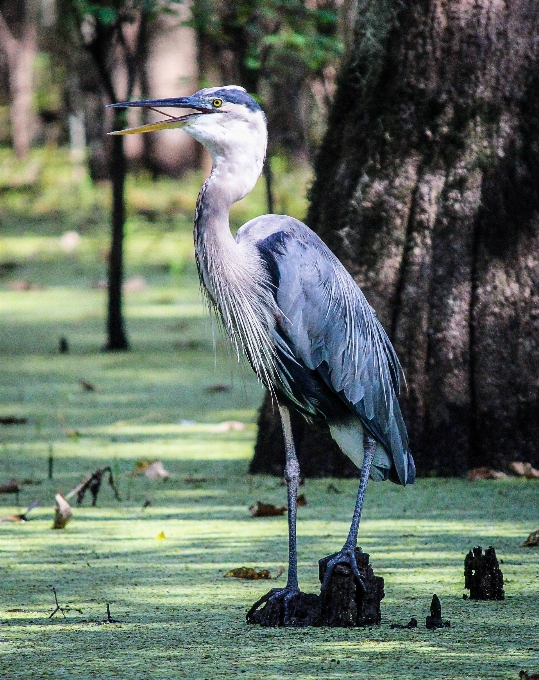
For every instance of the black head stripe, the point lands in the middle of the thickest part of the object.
(236, 96)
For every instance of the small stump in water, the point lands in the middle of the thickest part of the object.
(482, 575)
(435, 619)
(303, 610)
(346, 604)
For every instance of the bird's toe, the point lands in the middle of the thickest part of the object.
(278, 607)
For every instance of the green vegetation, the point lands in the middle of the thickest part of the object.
(179, 617)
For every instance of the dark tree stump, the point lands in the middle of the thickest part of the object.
(482, 575)
(435, 619)
(346, 604)
(303, 609)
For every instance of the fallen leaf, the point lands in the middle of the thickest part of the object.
(267, 510)
(521, 469)
(248, 573)
(301, 500)
(216, 389)
(532, 540)
(161, 536)
(195, 480)
(7, 268)
(22, 517)
(62, 512)
(485, 473)
(12, 420)
(11, 486)
(156, 471)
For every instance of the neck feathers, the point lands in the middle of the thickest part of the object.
(234, 280)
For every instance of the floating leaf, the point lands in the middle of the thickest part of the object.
(11, 486)
(12, 420)
(216, 389)
(267, 510)
(532, 540)
(195, 480)
(485, 473)
(22, 517)
(521, 469)
(248, 573)
(156, 471)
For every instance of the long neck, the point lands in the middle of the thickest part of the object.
(231, 273)
(216, 250)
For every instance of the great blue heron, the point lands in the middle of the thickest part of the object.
(288, 303)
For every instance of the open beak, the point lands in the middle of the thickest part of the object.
(170, 121)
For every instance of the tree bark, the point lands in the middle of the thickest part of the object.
(427, 188)
(18, 40)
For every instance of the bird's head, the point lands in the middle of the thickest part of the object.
(227, 120)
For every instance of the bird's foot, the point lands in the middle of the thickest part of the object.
(279, 608)
(348, 556)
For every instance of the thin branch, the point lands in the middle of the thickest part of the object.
(58, 608)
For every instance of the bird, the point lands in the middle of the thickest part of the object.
(289, 305)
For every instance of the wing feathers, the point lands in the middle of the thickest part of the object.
(331, 329)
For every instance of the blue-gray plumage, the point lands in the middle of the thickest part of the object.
(291, 307)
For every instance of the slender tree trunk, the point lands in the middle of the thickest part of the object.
(117, 339)
(427, 188)
(19, 43)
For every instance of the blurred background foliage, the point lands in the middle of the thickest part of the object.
(63, 61)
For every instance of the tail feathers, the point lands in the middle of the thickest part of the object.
(410, 476)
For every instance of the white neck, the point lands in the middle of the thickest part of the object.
(236, 169)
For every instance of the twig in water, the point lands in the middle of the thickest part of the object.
(93, 483)
(109, 618)
(58, 608)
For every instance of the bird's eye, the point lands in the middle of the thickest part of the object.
(217, 103)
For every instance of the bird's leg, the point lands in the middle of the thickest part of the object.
(348, 553)
(291, 475)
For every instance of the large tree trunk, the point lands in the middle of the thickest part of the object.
(427, 188)
(18, 40)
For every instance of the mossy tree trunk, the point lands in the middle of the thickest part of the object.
(427, 189)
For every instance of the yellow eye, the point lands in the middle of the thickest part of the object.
(217, 103)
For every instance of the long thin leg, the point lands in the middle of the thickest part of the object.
(369, 447)
(347, 554)
(291, 474)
